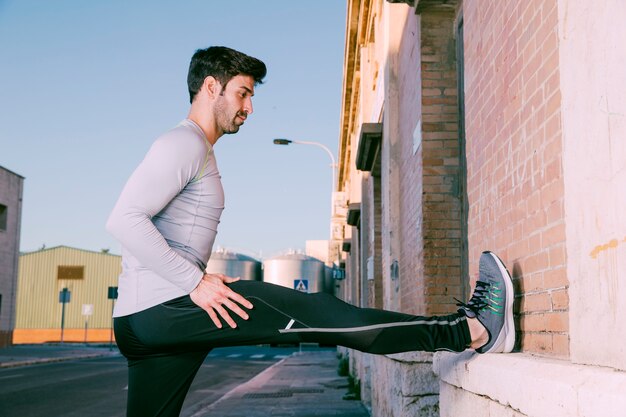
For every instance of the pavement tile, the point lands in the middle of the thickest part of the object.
(305, 384)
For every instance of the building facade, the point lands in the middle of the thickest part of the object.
(11, 189)
(85, 275)
(500, 125)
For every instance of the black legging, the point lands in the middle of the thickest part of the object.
(166, 344)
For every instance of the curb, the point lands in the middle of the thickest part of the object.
(16, 364)
(257, 381)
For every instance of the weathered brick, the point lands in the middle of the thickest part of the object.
(557, 256)
(532, 322)
(556, 278)
(560, 345)
(536, 302)
(553, 235)
(537, 342)
(557, 321)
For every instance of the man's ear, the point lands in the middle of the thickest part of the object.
(212, 86)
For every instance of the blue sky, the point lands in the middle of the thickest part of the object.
(86, 87)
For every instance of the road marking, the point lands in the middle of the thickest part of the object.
(257, 356)
(281, 356)
(234, 355)
(10, 376)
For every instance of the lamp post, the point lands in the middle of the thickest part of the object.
(335, 218)
(333, 164)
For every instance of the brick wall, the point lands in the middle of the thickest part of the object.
(514, 147)
(431, 212)
(412, 286)
(371, 240)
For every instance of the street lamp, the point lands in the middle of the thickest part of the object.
(333, 164)
(336, 219)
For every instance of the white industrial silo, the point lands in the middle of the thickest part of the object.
(234, 265)
(296, 271)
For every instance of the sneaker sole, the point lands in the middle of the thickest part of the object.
(508, 329)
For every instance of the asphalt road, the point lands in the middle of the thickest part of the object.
(97, 387)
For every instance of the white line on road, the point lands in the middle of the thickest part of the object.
(10, 376)
(257, 356)
(234, 355)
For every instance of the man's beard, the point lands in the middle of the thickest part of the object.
(229, 130)
(227, 124)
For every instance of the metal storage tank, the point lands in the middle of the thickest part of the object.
(235, 265)
(296, 271)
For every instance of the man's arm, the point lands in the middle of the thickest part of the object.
(164, 172)
(168, 166)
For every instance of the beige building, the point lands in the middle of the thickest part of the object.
(11, 188)
(86, 275)
(500, 125)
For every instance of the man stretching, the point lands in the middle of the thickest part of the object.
(170, 313)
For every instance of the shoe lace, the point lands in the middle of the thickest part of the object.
(479, 298)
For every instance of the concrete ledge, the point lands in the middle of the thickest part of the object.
(400, 384)
(536, 386)
(411, 357)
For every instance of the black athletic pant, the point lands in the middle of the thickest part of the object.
(166, 344)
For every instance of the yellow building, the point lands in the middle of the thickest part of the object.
(42, 276)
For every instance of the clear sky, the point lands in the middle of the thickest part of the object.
(86, 87)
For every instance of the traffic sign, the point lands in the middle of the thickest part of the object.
(87, 309)
(64, 298)
(112, 293)
(65, 295)
(301, 285)
(339, 273)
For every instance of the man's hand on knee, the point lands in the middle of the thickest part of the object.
(212, 295)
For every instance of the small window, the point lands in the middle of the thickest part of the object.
(70, 272)
(3, 217)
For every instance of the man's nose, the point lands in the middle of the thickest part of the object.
(247, 106)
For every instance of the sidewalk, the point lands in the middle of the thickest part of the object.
(20, 355)
(305, 384)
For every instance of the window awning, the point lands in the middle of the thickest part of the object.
(370, 139)
(354, 214)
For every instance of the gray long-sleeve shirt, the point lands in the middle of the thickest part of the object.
(166, 219)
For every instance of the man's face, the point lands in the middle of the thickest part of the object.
(234, 103)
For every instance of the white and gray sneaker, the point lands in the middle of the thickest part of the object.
(492, 304)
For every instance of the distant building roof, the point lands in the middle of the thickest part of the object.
(67, 247)
(11, 172)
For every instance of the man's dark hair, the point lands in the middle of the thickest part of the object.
(222, 63)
